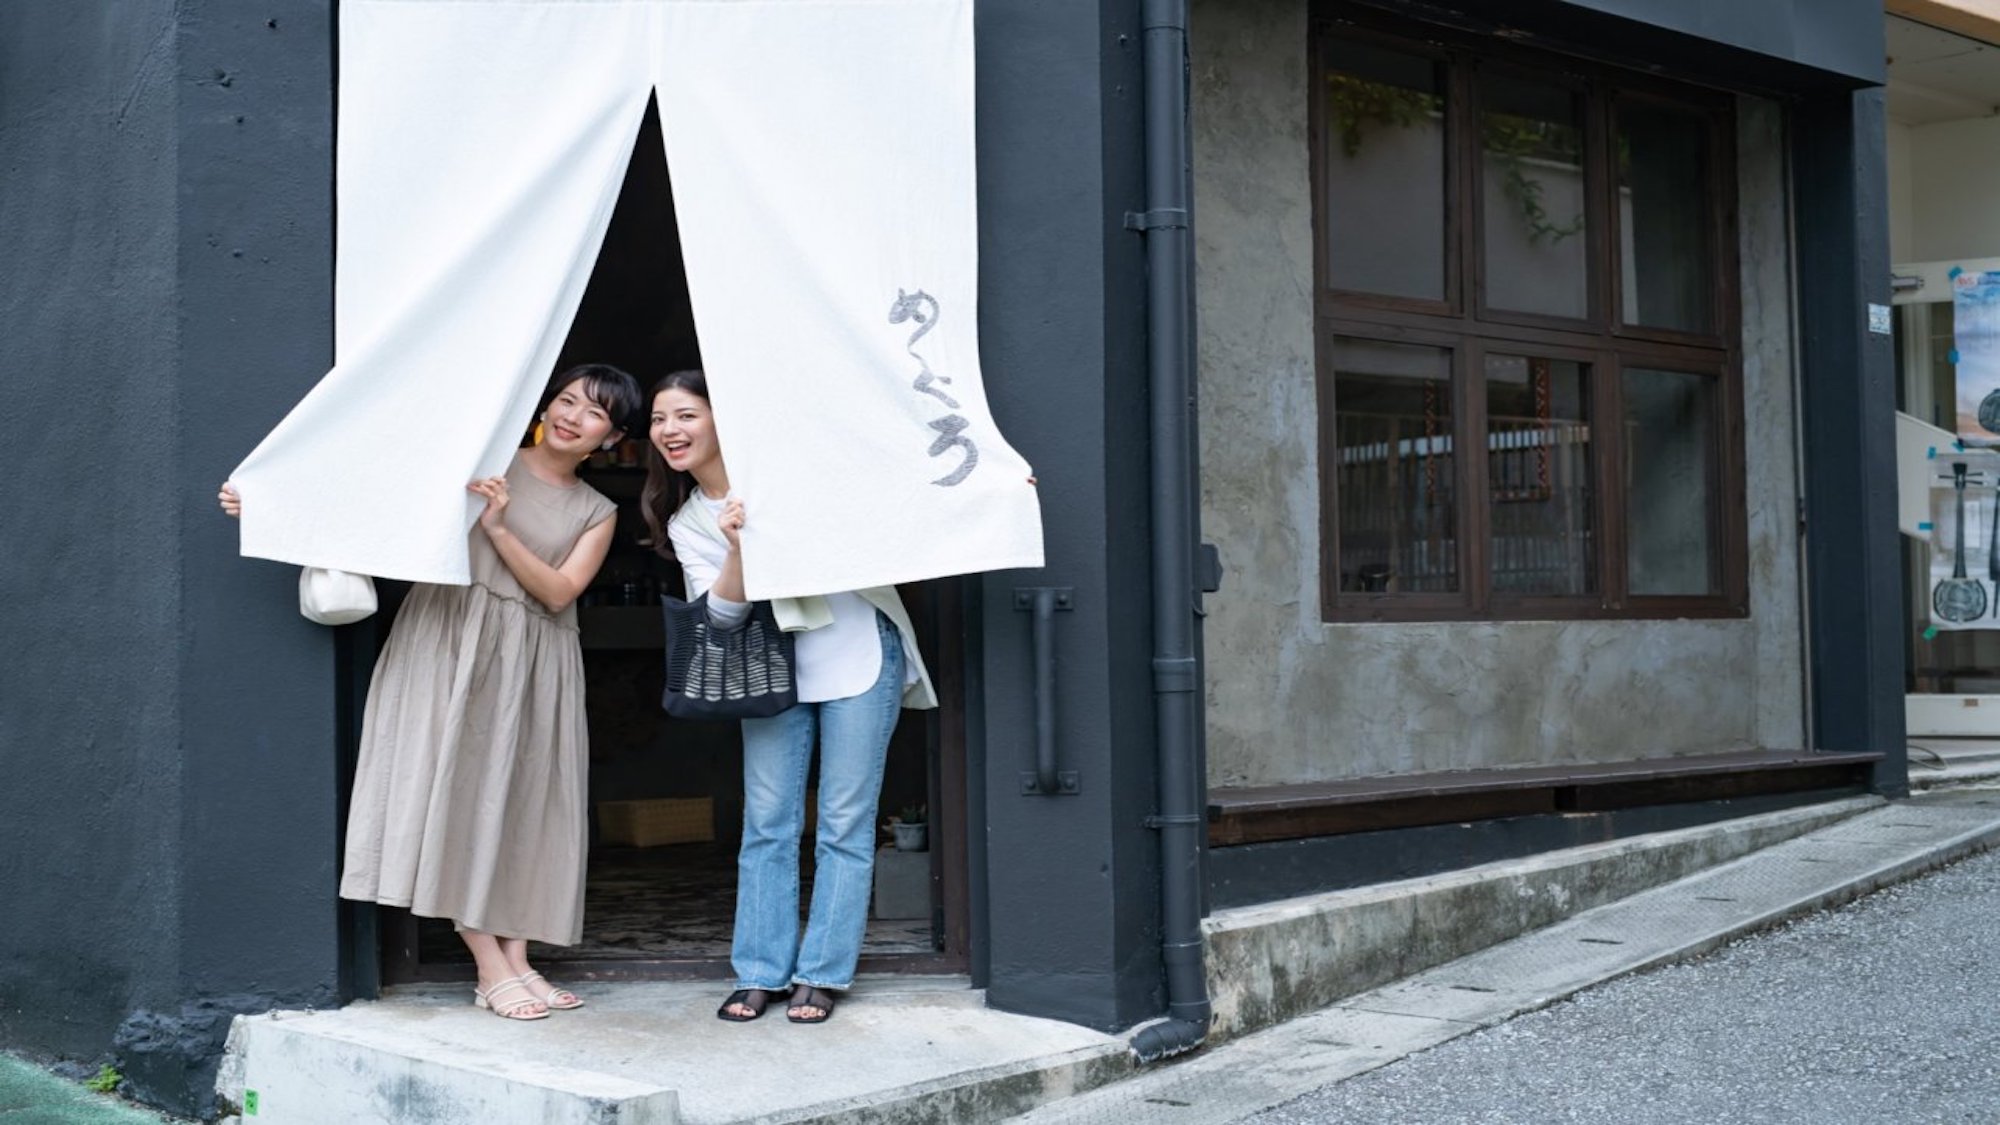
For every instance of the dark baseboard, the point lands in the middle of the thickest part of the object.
(1252, 873)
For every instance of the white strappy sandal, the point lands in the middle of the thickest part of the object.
(522, 1009)
(558, 999)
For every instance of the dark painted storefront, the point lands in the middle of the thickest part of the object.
(173, 733)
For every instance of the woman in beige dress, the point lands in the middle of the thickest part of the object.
(469, 797)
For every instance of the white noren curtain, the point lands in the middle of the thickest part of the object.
(822, 160)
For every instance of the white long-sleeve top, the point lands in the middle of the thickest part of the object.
(836, 661)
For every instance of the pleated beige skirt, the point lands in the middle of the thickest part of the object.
(469, 796)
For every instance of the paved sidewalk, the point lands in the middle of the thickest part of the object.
(1672, 923)
(30, 1095)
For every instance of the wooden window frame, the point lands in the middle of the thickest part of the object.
(1469, 329)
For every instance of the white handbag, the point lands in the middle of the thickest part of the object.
(335, 597)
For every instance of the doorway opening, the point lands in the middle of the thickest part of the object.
(666, 795)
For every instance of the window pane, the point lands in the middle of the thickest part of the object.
(1666, 218)
(1670, 490)
(1393, 452)
(1533, 193)
(1384, 143)
(1538, 474)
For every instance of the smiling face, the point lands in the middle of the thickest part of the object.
(683, 430)
(575, 424)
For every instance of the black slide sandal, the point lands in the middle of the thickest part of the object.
(755, 999)
(806, 996)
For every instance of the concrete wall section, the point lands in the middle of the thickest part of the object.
(1293, 699)
(1776, 684)
(90, 580)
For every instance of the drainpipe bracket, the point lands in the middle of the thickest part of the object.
(1159, 218)
(1208, 568)
(1024, 597)
(1159, 821)
(1178, 674)
(1067, 784)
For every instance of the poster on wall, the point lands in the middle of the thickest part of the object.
(1965, 550)
(1975, 354)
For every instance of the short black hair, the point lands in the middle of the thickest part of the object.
(607, 386)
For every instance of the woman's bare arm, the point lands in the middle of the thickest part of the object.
(554, 587)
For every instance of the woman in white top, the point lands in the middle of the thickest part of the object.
(857, 665)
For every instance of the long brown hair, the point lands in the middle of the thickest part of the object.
(666, 490)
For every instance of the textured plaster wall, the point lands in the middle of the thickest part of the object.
(1293, 699)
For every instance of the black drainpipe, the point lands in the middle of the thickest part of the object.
(1176, 673)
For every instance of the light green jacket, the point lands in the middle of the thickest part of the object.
(797, 615)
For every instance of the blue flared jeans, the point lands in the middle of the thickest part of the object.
(853, 738)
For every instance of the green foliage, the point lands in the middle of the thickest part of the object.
(911, 814)
(1513, 140)
(1357, 106)
(1357, 102)
(105, 1081)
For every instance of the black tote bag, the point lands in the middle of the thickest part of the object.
(712, 673)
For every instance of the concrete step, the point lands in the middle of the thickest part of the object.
(1682, 919)
(1954, 776)
(653, 1053)
(903, 1049)
(1943, 763)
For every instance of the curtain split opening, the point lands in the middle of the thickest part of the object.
(822, 160)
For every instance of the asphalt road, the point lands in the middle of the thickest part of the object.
(1886, 1010)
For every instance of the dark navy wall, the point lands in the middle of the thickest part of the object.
(1768, 45)
(1073, 923)
(168, 721)
(89, 576)
(1853, 549)
(258, 737)
(1841, 36)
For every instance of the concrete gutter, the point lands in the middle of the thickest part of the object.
(912, 1050)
